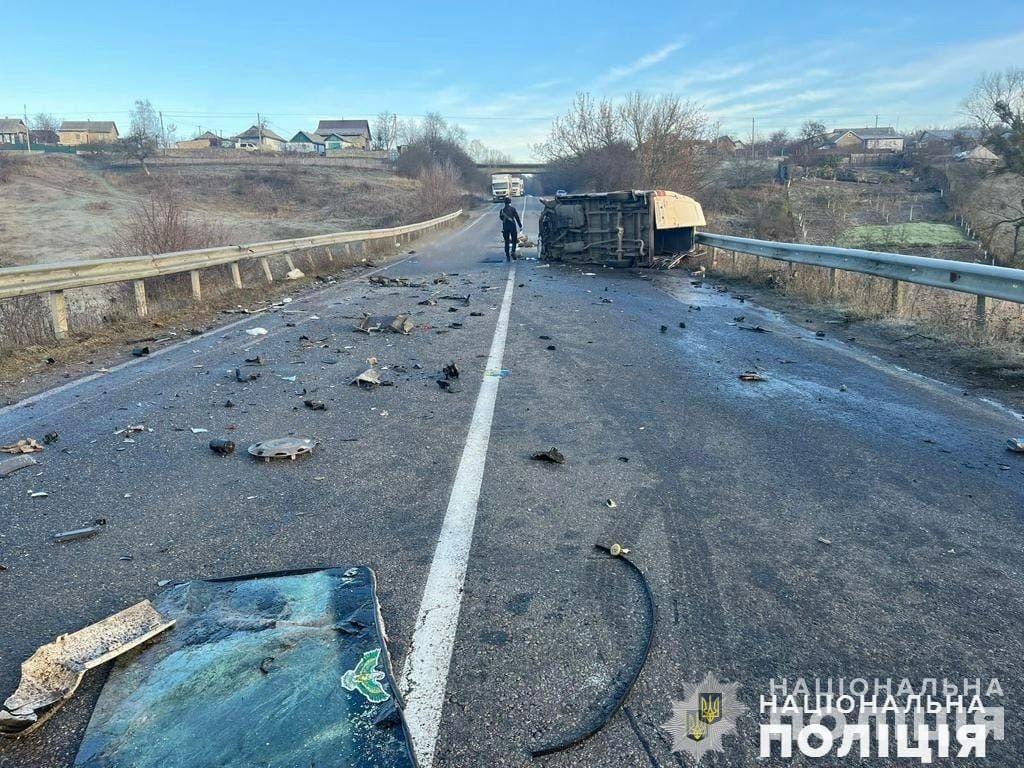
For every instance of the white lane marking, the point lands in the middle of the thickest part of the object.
(425, 674)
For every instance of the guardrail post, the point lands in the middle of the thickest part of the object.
(348, 249)
(141, 306)
(980, 311)
(266, 269)
(236, 275)
(291, 264)
(59, 314)
(197, 289)
(833, 281)
(330, 256)
(895, 296)
(735, 261)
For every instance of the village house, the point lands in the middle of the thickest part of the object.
(13, 131)
(307, 141)
(77, 132)
(345, 134)
(864, 140)
(205, 140)
(256, 138)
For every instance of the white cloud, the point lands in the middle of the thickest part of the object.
(646, 61)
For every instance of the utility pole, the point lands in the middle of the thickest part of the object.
(394, 130)
(163, 133)
(752, 138)
(259, 130)
(28, 131)
(876, 121)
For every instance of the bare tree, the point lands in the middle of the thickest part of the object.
(145, 137)
(813, 132)
(161, 224)
(586, 126)
(43, 121)
(385, 130)
(777, 141)
(1006, 87)
(669, 140)
(440, 188)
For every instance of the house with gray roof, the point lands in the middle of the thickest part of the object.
(865, 140)
(76, 132)
(345, 134)
(13, 131)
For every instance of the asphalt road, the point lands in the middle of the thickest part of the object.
(724, 491)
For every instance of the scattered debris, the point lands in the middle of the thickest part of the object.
(751, 376)
(551, 455)
(131, 428)
(442, 279)
(463, 299)
(258, 360)
(476, 314)
(222, 446)
(550, 347)
(75, 534)
(256, 331)
(754, 328)
(498, 372)
(664, 329)
(428, 303)
(371, 361)
(10, 466)
(682, 324)
(282, 448)
(739, 318)
(820, 334)
(295, 274)
(402, 324)
(544, 338)
(455, 326)
(315, 405)
(1015, 444)
(198, 430)
(611, 503)
(842, 387)
(368, 379)
(445, 384)
(243, 378)
(140, 352)
(38, 494)
(823, 540)
(293, 378)
(50, 438)
(54, 671)
(451, 371)
(25, 445)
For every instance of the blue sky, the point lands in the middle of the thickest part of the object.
(503, 70)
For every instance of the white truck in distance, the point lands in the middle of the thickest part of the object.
(501, 186)
(517, 186)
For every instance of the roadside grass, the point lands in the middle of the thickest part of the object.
(919, 233)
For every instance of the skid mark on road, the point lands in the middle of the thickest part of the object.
(425, 675)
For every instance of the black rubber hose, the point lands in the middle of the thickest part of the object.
(652, 622)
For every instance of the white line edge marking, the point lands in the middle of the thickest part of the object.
(425, 675)
(47, 393)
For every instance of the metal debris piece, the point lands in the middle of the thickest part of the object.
(222, 446)
(402, 324)
(611, 503)
(366, 324)
(551, 347)
(751, 376)
(664, 329)
(428, 303)
(368, 379)
(12, 465)
(282, 448)
(823, 540)
(51, 674)
(450, 371)
(254, 360)
(463, 299)
(140, 352)
(25, 445)
(256, 331)
(442, 279)
(754, 328)
(551, 455)
(38, 494)
(372, 360)
(682, 324)
(75, 534)
(245, 377)
(383, 280)
(476, 314)
(820, 334)
(295, 274)
(315, 405)
(51, 437)
(455, 326)
(1015, 444)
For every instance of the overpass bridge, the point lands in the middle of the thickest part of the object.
(519, 169)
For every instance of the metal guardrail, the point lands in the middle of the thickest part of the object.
(53, 279)
(983, 280)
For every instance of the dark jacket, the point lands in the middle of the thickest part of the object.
(510, 217)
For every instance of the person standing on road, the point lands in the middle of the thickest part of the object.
(510, 226)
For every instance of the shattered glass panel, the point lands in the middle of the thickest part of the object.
(273, 670)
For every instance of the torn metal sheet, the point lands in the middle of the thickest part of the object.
(368, 379)
(12, 465)
(278, 669)
(367, 325)
(402, 324)
(53, 672)
(25, 445)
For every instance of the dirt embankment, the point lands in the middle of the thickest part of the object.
(61, 208)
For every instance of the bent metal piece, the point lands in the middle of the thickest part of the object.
(53, 672)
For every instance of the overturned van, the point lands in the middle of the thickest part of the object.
(621, 229)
